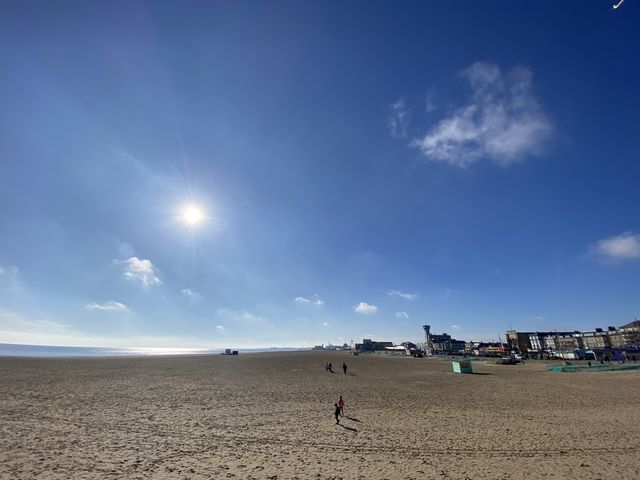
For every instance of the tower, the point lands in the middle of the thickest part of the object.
(428, 345)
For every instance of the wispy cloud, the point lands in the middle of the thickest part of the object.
(325, 324)
(16, 328)
(10, 270)
(243, 317)
(108, 306)
(399, 119)
(398, 293)
(365, 309)
(220, 328)
(124, 249)
(190, 293)
(502, 121)
(402, 315)
(316, 301)
(618, 248)
(430, 102)
(140, 270)
(455, 328)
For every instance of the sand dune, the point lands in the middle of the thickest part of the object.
(271, 416)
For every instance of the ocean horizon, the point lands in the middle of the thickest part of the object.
(23, 350)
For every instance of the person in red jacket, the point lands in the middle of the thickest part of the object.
(341, 406)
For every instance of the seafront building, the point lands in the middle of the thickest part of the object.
(443, 343)
(485, 349)
(369, 345)
(610, 342)
(344, 346)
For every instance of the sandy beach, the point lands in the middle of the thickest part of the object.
(270, 415)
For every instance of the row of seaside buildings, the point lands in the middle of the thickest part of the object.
(441, 343)
(614, 342)
(576, 344)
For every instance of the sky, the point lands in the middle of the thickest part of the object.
(360, 169)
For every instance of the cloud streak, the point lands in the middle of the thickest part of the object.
(9, 271)
(108, 306)
(305, 301)
(502, 121)
(399, 120)
(406, 296)
(241, 317)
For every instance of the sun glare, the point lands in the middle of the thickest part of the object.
(192, 215)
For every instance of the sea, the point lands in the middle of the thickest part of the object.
(16, 350)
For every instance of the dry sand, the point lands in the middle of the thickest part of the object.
(271, 416)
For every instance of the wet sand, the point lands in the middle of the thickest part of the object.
(271, 416)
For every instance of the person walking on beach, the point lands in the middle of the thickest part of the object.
(341, 406)
(337, 414)
(344, 367)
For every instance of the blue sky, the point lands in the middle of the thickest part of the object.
(363, 168)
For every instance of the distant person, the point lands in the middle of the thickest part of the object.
(337, 414)
(330, 367)
(344, 367)
(634, 359)
(341, 406)
(589, 363)
(326, 367)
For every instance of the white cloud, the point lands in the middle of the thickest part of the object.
(398, 293)
(140, 270)
(302, 300)
(365, 308)
(402, 315)
(399, 120)
(220, 328)
(108, 306)
(502, 120)
(621, 247)
(325, 324)
(455, 327)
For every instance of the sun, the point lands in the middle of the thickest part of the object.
(192, 215)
